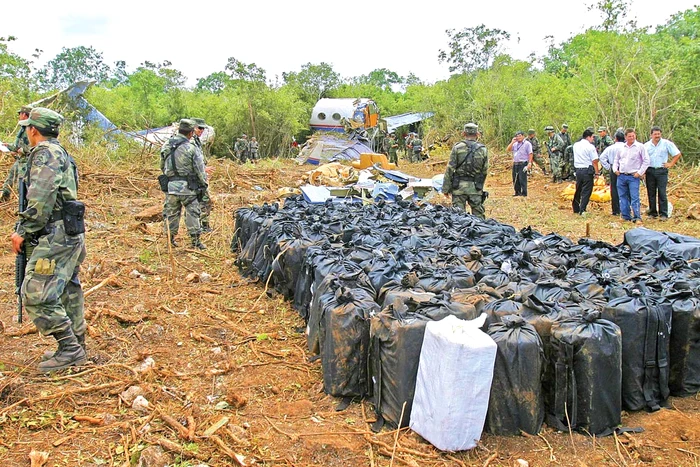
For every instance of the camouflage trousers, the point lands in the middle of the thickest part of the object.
(568, 170)
(205, 206)
(539, 160)
(556, 164)
(475, 203)
(172, 209)
(54, 302)
(394, 157)
(12, 180)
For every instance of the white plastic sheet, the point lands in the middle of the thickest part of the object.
(453, 384)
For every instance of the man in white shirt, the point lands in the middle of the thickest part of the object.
(606, 160)
(659, 150)
(586, 167)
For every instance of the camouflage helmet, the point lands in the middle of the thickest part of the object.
(531, 131)
(549, 128)
(565, 126)
(25, 109)
(187, 125)
(43, 119)
(602, 128)
(200, 122)
(471, 128)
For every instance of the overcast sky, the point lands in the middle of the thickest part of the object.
(278, 36)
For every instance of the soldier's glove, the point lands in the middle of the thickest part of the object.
(484, 196)
(5, 196)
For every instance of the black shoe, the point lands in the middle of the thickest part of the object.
(69, 353)
(206, 229)
(197, 244)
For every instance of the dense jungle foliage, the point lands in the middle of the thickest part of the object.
(616, 75)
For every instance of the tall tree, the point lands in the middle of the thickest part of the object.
(472, 49)
(71, 65)
(313, 82)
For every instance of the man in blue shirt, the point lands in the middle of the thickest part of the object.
(522, 162)
(659, 150)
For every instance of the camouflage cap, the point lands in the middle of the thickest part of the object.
(531, 131)
(602, 128)
(43, 119)
(25, 109)
(187, 124)
(519, 133)
(471, 128)
(590, 128)
(549, 128)
(200, 122)
(565, 126)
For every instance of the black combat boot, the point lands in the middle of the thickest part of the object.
(206, 228)
(197, 244)
(69, 353)
(81, 340)
(173, 242)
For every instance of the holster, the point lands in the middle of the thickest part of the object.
(74, 217)
(163, 182)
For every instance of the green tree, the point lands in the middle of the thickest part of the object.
(472, 49)
(216, 82)
(382, 78)
(72, 65)
(313, 82)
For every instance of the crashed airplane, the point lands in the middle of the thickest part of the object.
(74, 96)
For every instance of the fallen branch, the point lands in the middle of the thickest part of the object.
(236, 458)
(23, 331)
(176, 448)
(94, 289)
(91, 420)
(490, 459)
(290, 436)
(396, 437)
(182, 432)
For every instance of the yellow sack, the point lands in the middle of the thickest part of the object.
(568, 191)
(600, 181)
(601, 194)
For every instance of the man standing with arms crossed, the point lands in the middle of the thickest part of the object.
(630, 165)
(586, 167)
(466, 173)
(53, 224)
(522, 162)
(659, 150)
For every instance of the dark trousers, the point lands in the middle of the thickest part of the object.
(584, 189)
(613, 193)
(520, 178)
(657, 181)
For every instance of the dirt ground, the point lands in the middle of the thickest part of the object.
(224, 367)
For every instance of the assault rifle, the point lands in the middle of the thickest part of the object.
(21, 258)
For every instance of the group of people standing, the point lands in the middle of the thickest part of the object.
(246, 150)
(626, 160)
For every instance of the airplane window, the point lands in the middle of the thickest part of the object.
(336, 116)
(321, 116)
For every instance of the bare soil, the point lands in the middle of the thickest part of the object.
(222, 353)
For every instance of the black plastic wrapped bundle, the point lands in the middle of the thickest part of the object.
(497, 310)
(516, 403)
(645, 321)
(344, 341)
(587, 355)
(685, 341)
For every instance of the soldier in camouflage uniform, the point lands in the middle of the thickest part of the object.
(393, 149)
(241, 148)
(408, 140)
(205, 204)
(568, 170)
(51, 291)
(21, 148)
(417, 148)
(466, 173)
(253, 147)
(603, 141)
(183, 164)
(536, 154)
(555, 149)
